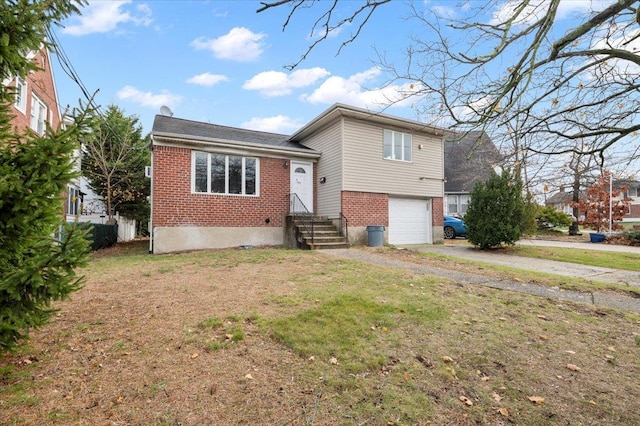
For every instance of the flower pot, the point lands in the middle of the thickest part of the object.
(596, 237)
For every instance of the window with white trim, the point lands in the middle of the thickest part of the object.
(21, 95)
(397, 145)
(224, 174)
(38, 115)
(457, 204)
(73, 201)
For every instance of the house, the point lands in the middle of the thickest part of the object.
(36, 107)
(563, 200)
(215, 186)
(631, 193)
(468, 158)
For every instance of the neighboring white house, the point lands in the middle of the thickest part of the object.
(94, 210)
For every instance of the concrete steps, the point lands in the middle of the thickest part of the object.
(325, 234)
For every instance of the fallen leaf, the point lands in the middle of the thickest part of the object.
(502, 319)
(496, 397)
(312, 358)
(406, 377)
(570, 352)
(194, 356)
(538, 400)
(573, 367)
(504, 412)
(447, 359)
(516, 279)
(333, 360)
(485, 378)
(424, 361)
(466, 400)
(452, 371)
(611, 348)
(542, 317)
(543, 337)
(248, 376)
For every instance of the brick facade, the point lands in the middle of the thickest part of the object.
(365, 208)
(437, 211)
(42, 85)
(633, 212)
(175, 205)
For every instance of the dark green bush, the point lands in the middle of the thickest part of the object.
(497, 212)
(633, 236)
(549, 217)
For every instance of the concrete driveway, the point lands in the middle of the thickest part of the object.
(495, 257)
(604, 299)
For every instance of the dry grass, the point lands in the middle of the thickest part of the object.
(189, 339)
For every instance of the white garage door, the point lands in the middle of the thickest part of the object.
(409, 221)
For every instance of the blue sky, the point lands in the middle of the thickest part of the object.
(221, 62)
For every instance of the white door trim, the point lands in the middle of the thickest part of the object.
(302, 183)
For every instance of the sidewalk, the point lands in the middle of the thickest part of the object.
(593, 273)
(582, 246)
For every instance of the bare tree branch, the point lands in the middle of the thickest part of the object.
(324, 25)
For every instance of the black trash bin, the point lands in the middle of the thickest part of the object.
(376, 235)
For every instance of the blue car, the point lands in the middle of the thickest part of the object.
(454, 227)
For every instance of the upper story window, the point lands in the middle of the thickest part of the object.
(38, 115)
(397, 145)
(21, 95)
(224, 174)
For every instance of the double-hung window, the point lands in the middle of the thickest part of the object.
(397, 145)
(38, 115)
(457, 204)
(73, 201)
(21, 95)
(224, 174)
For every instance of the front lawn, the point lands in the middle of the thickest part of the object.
(274, 336)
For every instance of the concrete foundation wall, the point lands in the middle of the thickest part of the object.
(175, 239)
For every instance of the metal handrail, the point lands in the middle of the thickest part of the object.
(344, 231)
(301, 214)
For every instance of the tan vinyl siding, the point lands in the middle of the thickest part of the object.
(366, 170)
(328, 142)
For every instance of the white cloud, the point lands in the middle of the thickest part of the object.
(444, 11)
(207, 79)
(105, 16)
(277, 83)
(617, 68)
(278, 124)
(240, 44)
(352, 91)
(537, 9)
(148, 99)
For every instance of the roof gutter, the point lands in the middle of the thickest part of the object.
(170, 139)
(362, 114)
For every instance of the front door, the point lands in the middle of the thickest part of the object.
(302, 186)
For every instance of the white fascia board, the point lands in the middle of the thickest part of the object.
(234, 147)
